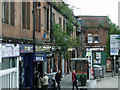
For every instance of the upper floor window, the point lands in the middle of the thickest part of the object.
(96, 38)
(8, 13)
(64, 24)
(60, 21)
(46, 19)
(26, 15)
(38, 17)
(93, 38)
(90, 38)
(53, 16)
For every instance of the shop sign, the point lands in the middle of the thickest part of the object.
(26, 48)
(49, 55)
(114, 44)
(10, 50)
(39, 57)
(42, 48)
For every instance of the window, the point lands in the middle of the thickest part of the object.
(97, 57)
(96, 38)
(64, 24)
(26, 15)
(45, 19)
(60, 21)
(53, 17)
(38, 17)
(9, 63)
(8, 12)
(90, 38)
(13, 62)
(5, 63)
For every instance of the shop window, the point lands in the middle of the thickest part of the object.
(96, 38)
(97, 57)
(8, 13)
(9, 63)
(13, 62)
(90, 38)
(5, 63)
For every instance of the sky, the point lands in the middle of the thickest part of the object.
(96, 8)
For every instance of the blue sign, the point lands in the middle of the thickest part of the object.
(39, 57)
(26, 48)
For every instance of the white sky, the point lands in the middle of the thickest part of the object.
(96, 7)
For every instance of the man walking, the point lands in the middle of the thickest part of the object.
(45, 81)
(58, 79)
(74, 80)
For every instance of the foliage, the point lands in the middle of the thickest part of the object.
(113, 29)
(62, 38)
(65, 10)
(69, 27)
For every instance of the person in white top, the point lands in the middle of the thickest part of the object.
(45, 81)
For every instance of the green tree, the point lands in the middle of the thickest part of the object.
(113, 29)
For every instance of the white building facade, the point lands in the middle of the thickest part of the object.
(9, 65)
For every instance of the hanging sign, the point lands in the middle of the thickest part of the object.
(39, 57)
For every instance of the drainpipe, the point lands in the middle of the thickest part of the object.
(34, 25)
(50, 23)
(33, 36)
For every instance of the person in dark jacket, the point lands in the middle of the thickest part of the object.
(58, 79)
(74, 80)
(37, 80)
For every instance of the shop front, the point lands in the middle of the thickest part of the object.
(9, 65)
(26, 66)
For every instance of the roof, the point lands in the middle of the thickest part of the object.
(89, 16)
(79, 59)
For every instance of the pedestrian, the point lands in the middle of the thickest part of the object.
(74, 80)
(45, 81)
(58, 79)
(37, 74)
(39, 82)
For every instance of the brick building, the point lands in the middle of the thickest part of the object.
(26, 42)
(94, 34)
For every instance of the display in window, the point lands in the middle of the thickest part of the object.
(97, 57)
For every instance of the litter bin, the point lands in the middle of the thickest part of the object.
(82, 78)
(97, 71)
(51, 83)
(51, 80)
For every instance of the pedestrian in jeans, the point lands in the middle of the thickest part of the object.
(74, 80)
(45, 81)
(58, 79)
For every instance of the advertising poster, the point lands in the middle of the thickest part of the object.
(108, 65)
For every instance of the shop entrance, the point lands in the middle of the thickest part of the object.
(38, 67)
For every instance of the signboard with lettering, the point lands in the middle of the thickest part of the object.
(114, 44)
(10, 50)
(39, 57)
(26, 48)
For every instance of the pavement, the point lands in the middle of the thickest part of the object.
(106, 82)
(66, 82)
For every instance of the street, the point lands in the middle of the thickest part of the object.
(107, 82)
